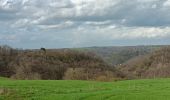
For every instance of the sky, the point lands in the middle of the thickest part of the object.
(84, 23)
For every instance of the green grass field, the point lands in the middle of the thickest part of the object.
(156, 89)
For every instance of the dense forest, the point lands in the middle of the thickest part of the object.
(153, 65)
(54, 65)
(86, 63)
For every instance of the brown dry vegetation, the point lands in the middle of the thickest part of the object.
(53, 65)
(154, 65)
(79, 65)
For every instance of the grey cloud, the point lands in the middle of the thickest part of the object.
(71, 22)
(136, 13)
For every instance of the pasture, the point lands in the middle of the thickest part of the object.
(154, 89)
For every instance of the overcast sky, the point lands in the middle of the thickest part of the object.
(83, 23)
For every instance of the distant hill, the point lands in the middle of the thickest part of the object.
(120, 54)
(153, 65)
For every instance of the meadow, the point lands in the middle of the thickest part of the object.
(154, 89)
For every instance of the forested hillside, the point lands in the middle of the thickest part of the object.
(54, 64)
(106, 63)
(153, 65)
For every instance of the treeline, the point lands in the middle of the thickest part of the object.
(54, 65)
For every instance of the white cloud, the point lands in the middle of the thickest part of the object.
(167, 3)
(144, 32)
(20, 23)
(117, 33)
(81, 21)
(97, 23)
(62, 25)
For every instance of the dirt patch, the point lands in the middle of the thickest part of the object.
(9, 94)
(5, 91)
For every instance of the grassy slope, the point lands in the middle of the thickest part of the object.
(83, 90)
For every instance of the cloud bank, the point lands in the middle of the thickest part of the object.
(79, 23)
